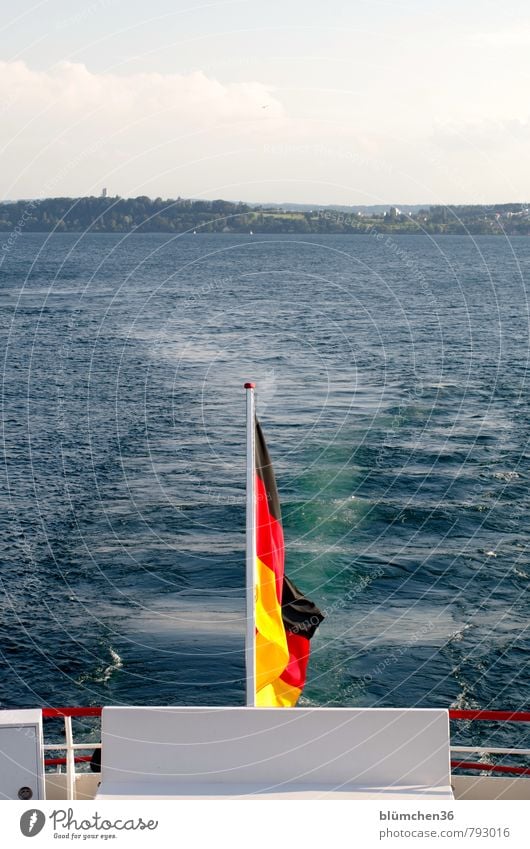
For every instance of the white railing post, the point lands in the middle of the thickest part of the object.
(70, 758)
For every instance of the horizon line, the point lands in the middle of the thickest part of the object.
(276, 204)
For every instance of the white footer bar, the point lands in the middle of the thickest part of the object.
(242, 824)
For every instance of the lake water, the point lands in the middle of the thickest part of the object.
(393, 392)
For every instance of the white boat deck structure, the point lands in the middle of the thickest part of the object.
(232, 753)
(274, 753)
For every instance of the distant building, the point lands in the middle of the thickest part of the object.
(103, 193)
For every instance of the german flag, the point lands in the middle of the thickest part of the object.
(285, 619)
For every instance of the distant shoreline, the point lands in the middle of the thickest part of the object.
(180, 216)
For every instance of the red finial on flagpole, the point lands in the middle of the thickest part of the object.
(250, 385)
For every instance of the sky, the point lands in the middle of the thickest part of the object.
(358, 102)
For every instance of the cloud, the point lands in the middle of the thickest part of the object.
(484, 136)
(73, 90)
(510, 37)
(70, 131)
(52, 119)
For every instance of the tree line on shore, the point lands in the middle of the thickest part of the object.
(145, 215)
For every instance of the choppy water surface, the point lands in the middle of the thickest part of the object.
(393, 391)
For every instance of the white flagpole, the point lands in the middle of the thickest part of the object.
(250, 641)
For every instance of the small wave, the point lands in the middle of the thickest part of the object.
(463, 701)
(458, 635)
(441, 385)
(103, 675)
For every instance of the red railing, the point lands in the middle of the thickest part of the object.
(49, 713)
(500, 715)
(516, 770)
(493, 716)
(485, 715)
(79, 759)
